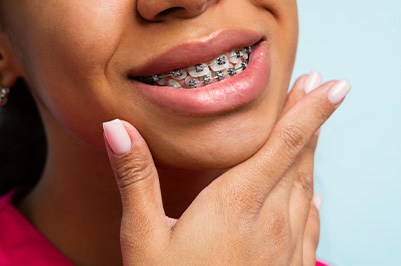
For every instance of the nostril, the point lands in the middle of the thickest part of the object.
(169, 11)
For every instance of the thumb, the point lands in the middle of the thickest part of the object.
(144, 220)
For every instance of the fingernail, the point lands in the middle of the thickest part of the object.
(117, 136)
(317, 201)
(339, 91)
(313, 80)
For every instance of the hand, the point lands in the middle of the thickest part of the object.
(254, 214)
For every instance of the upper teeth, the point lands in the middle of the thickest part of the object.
(199, 75)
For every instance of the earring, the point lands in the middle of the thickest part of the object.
(4, 92)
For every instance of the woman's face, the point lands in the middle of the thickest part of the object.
(78, 57)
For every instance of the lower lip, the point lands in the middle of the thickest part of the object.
(226, 95)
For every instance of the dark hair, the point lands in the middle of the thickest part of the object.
(23, 145)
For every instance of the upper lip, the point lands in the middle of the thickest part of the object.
(200, 51)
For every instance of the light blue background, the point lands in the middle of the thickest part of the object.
(358, 168)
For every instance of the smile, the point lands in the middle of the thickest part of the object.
(221, 68)
(235, 74)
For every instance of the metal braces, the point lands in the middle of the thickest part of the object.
(219, 75)
(221, 60)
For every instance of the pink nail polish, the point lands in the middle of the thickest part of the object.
(317, 201)
(338, 92)
(117, 137)
(313, 80)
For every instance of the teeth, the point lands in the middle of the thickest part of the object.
(199, 71)
(162, 82)
(173, 83)
(238, 67)
(220, 75)
(220, 63)
(156, 78)
(232, 71)
(192, 82)
(179, 74)
(207, 79)
(235, 60)
(220, 68)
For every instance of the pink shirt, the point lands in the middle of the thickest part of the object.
(22, 244)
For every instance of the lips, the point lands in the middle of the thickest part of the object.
(222, 96)
(188, 54)
(220, 68)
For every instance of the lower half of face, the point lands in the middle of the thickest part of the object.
(206, 104)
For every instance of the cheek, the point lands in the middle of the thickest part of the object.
(75, 33)
(66, 65)
(64, 62)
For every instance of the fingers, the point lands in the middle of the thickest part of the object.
(289, 138)
(304, 84)
(295, 94)
(312, 233)
(143, 215)
(296, 186)
(299, 184)
(301, 192)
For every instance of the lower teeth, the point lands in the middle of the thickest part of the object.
(223, 67)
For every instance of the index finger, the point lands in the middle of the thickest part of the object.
(303, 85)
(260, 173)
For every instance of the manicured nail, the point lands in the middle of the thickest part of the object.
(339, 91)
(117, 137)
(317, 200)
(313, 80)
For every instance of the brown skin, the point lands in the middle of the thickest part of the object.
(74, 54)
(256, 213)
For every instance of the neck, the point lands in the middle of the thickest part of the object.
(77, 206)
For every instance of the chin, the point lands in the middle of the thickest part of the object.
(217, 152)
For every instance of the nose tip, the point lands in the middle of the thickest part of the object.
(162, 10)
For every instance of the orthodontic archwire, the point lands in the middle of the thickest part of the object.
(199, 68)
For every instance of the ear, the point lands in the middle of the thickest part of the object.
(10, 70)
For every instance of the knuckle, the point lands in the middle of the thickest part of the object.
(306, 182)
(249, 205)
(278, 226)
(324, 109)
(293, 137)
(133, 169)
(244, 199)
(278, 231)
